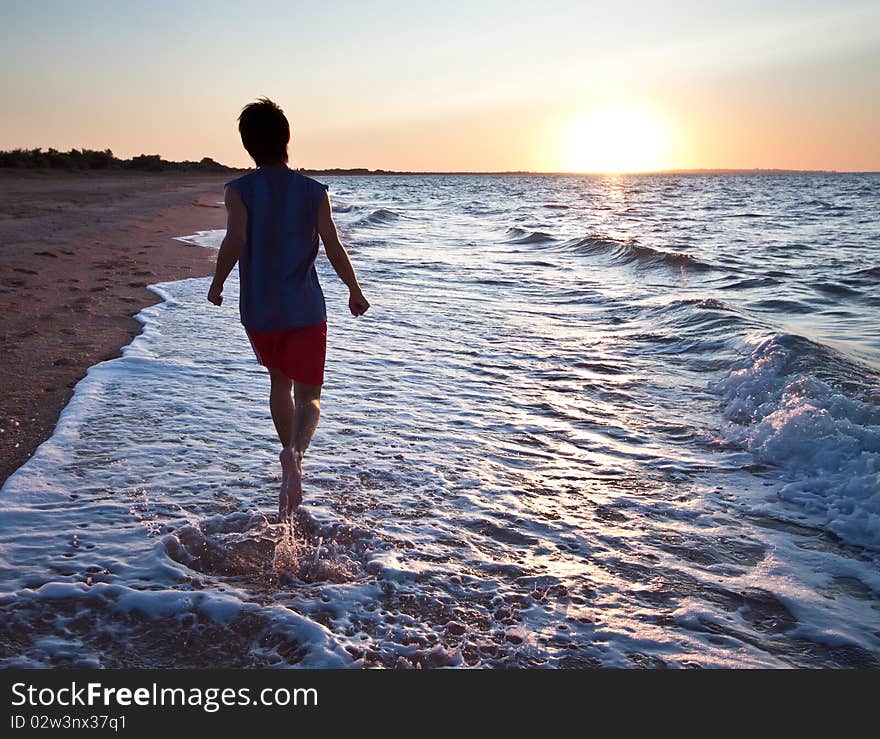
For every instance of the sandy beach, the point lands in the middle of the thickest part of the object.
(76, 254)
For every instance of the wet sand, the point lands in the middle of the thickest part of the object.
(77, 251)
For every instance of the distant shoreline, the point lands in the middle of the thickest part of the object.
(42, 172)
(104, 162)
(382, 172)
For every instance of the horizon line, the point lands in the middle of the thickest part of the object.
(381, 171)
(693, 170)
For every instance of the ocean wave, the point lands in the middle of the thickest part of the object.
(782, 305)
(750, 282)
(522, 236)
(627, 252)
(834, 288)
(825, 205)
(109, 625)
(704, 304)
(867, 275)
(693, 320)
(813, 413)
(379, 217)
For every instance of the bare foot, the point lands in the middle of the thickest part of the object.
(294, 489)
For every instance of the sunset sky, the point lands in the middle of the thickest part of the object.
(550, 86)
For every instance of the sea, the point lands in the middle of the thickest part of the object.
(588, 421)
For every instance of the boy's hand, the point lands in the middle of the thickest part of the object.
(215, 294)
(357, 303)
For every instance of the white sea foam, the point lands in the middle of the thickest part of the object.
(211, 239)
(826, 442)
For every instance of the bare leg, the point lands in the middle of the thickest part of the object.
(308, 411)
(281, 405)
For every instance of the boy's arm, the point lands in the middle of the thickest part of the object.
(233, 243)
(339, 258)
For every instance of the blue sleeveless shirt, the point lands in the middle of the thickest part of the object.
(279, 283)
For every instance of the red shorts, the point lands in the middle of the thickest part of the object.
(298, 352)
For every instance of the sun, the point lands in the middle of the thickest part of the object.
(615, 139)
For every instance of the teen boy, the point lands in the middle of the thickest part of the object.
(274, 218)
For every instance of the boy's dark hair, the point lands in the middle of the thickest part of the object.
(265, 132)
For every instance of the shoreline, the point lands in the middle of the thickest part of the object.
(76, 256)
